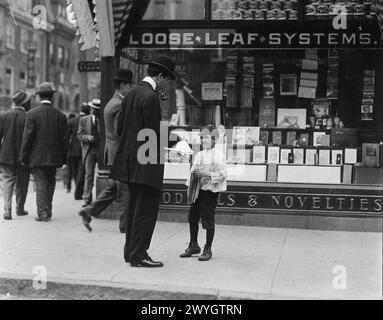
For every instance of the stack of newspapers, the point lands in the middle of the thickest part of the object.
(194, 187)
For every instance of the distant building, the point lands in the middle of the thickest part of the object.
(56, 57)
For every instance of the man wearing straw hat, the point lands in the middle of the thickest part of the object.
(44, 148)
(88, 134)
(14, 174)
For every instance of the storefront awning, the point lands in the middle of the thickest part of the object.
(100, 23)
(379, 11)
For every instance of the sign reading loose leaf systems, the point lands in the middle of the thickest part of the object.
(89, 66)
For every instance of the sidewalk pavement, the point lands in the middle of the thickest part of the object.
(248, 262)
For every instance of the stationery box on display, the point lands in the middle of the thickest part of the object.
(176, 171)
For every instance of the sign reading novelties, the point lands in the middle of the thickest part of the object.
(296, 36)
(297, 202)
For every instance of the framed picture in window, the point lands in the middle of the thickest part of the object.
(337, 156)
(288, 85)
(273, 154)
(311, 156)
(285, 155)
(324, 156)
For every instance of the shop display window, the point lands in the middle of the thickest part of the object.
(175, 10)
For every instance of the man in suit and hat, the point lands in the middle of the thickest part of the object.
(115, 189)
(88, 134)
(141, 112)
(44, 148)
(14, 174)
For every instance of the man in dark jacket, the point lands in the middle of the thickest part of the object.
(88, 134)
(14, 174)
(115, 189)
(140, 120)
(44, 148)
(74, 151)
(80, 179)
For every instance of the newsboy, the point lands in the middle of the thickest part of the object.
(44, 148)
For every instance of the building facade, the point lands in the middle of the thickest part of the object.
(55, 59)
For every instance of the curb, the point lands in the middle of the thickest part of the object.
(60, 289)
(15, 286)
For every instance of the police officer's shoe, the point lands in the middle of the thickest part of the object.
(192, 249)
(206, 255)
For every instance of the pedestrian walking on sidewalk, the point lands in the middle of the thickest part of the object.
(73, 129)
(44, 148)
(141, 111)
(15, 175)
(88, 134)
(209, 172)
(73, 157)
(116, 190)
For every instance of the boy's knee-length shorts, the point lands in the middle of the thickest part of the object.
(204, 208)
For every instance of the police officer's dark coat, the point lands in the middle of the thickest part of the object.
(140, 110)
(45, 137)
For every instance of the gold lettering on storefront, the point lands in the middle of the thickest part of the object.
(316, 203)
(378, 205)
(253, 200)
(302, 203)
(178, 198)
(328, 207)
(231, 197)
(363, 204)
(340, 200)
(166, 197)
(289, 202)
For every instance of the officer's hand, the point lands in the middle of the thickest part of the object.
(91, 139)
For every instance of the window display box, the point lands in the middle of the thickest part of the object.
(309, 174)
(176, 171)
(246, 173)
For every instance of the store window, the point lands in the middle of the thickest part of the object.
(66, 58)
(52, 53)
(10, 35)
(37, 39)
(254, 10)
(23, 79)
(24, 41)
(175, 10)
(8, 81)
(24, 5)
(60, 56)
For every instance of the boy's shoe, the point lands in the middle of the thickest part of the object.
(206, 255)
(7, 216)
(192, 249)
